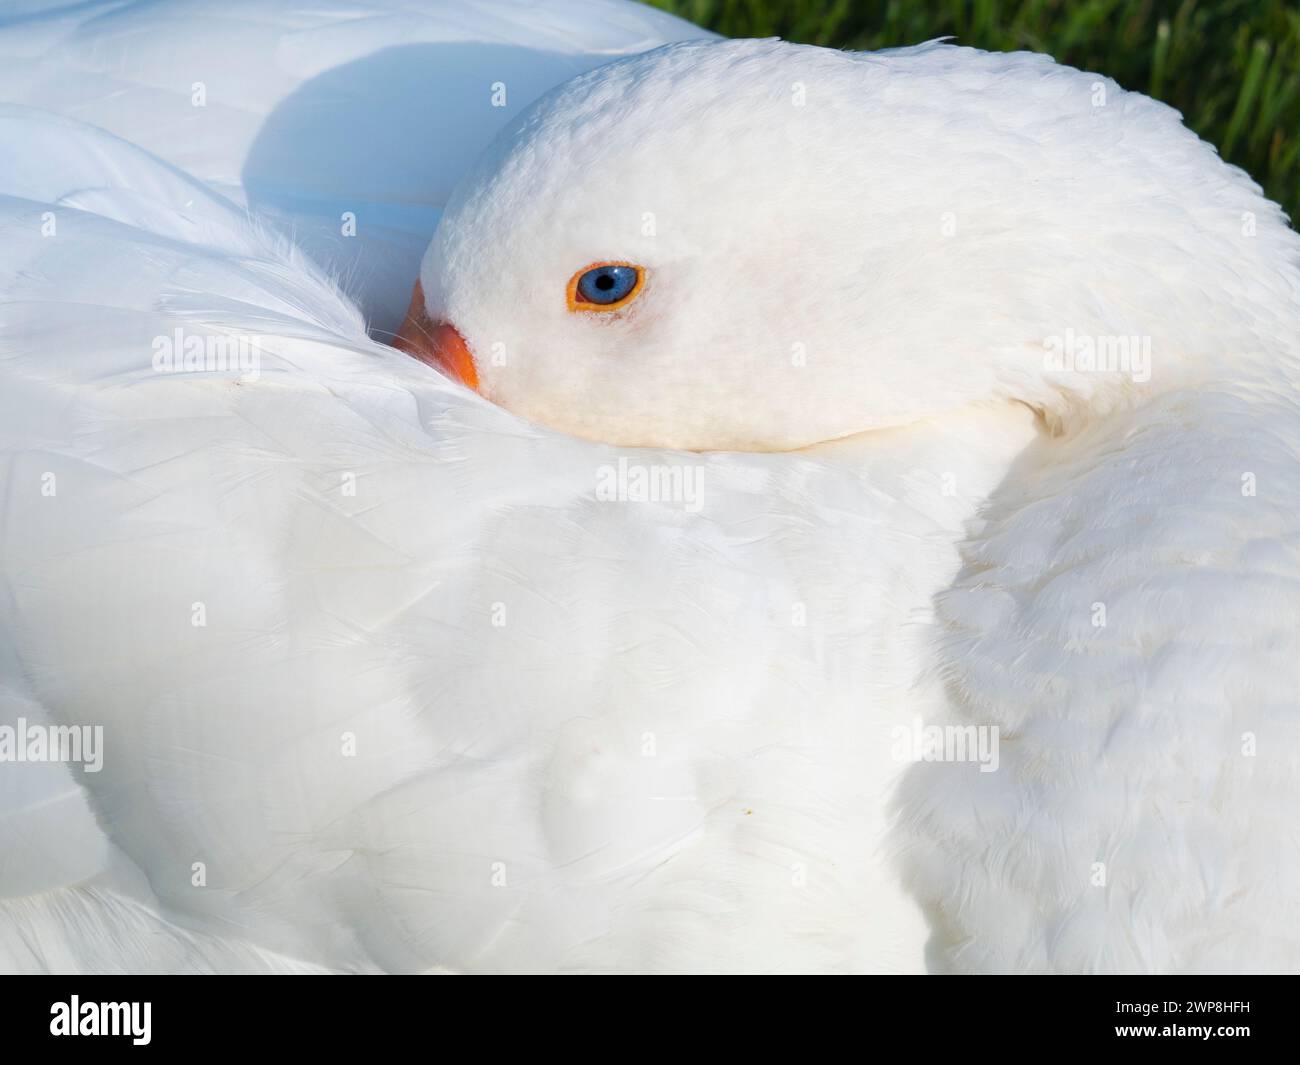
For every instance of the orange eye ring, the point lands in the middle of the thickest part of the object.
(578, 303)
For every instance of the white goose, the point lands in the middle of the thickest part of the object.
(392, 677)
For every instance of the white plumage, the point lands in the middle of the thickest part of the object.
(388, 683)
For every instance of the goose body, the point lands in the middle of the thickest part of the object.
(589, 733)
(392, 676)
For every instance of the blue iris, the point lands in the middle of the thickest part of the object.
(607, 284)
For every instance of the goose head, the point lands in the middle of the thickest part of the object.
(753, 245)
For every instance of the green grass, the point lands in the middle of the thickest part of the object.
(1232, 67)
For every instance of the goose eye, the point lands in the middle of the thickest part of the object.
(604, 286)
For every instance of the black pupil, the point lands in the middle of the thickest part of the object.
(605, 282)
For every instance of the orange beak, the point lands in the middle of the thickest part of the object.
(436, 343)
